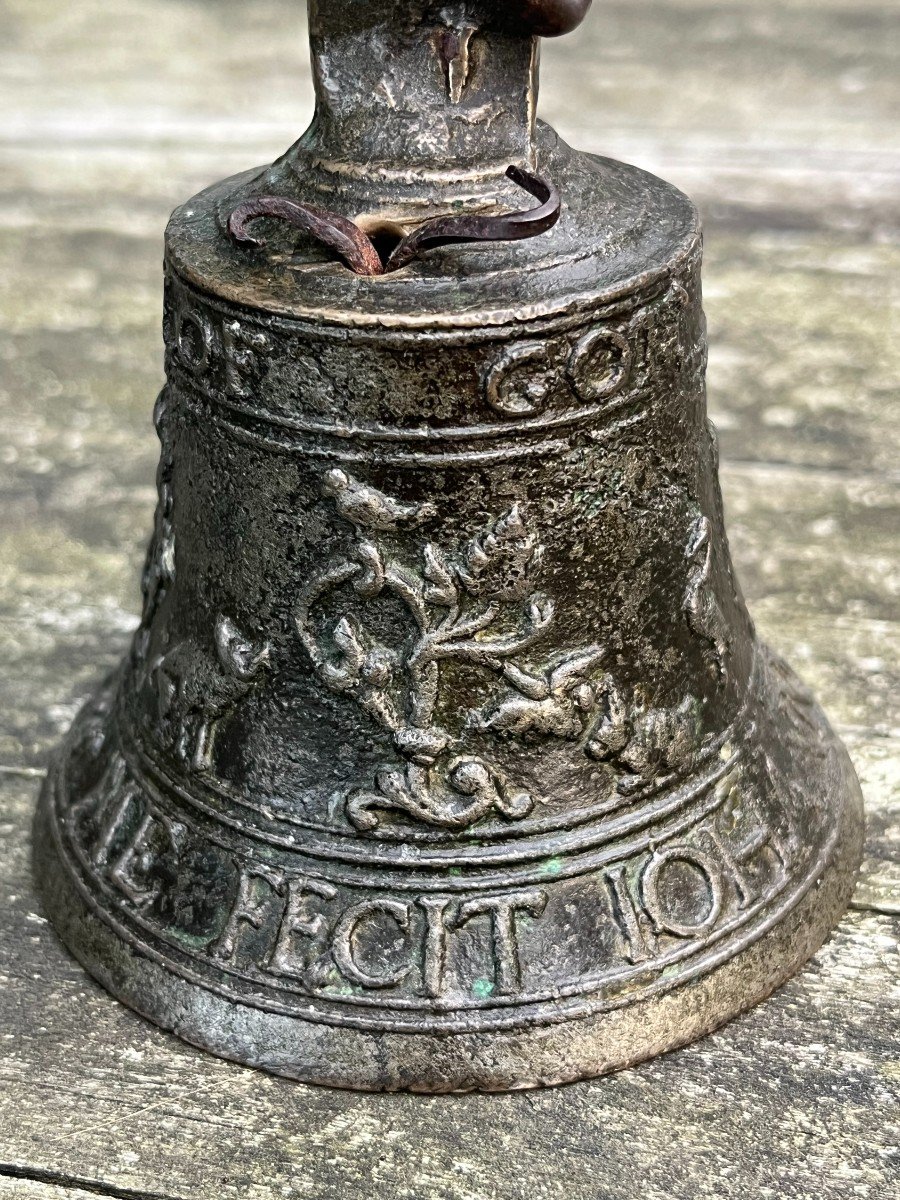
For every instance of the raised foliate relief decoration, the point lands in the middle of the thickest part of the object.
(474, 605)
(643, 741)
(198, 685)
(559, 702)
(701, 607)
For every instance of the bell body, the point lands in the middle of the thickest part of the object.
(445, 757)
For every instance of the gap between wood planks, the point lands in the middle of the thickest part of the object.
(93, 1187)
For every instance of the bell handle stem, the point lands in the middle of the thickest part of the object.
(406, 88)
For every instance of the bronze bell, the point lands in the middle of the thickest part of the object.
(445, 756)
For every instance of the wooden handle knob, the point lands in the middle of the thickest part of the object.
(549, 18)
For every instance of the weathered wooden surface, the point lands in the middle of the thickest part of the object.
(778, 118)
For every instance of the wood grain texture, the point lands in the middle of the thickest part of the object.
(777, 118)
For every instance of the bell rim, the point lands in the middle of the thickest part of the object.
(540, 1054)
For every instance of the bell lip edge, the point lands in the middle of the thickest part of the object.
(694, 1009)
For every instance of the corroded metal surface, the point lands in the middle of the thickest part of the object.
(445, 757)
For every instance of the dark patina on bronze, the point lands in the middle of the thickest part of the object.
(446, 756)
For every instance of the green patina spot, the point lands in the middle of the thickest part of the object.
(552, 866)
(482, 988)
(195, 941)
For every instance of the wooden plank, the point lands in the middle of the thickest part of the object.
(772, 105)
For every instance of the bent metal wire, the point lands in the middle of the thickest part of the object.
(359, 252)
(445, 756)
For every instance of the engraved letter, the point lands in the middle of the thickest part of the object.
(628, 920)
(193, 339)
(297, 920)
(502, 910)
(110, 825)
(702, 864)
(435, 959)
(599, 364)
(522, 382)
(344, 934)
(734, 859)
(248, 908)
(241, 348)
(139, 851)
